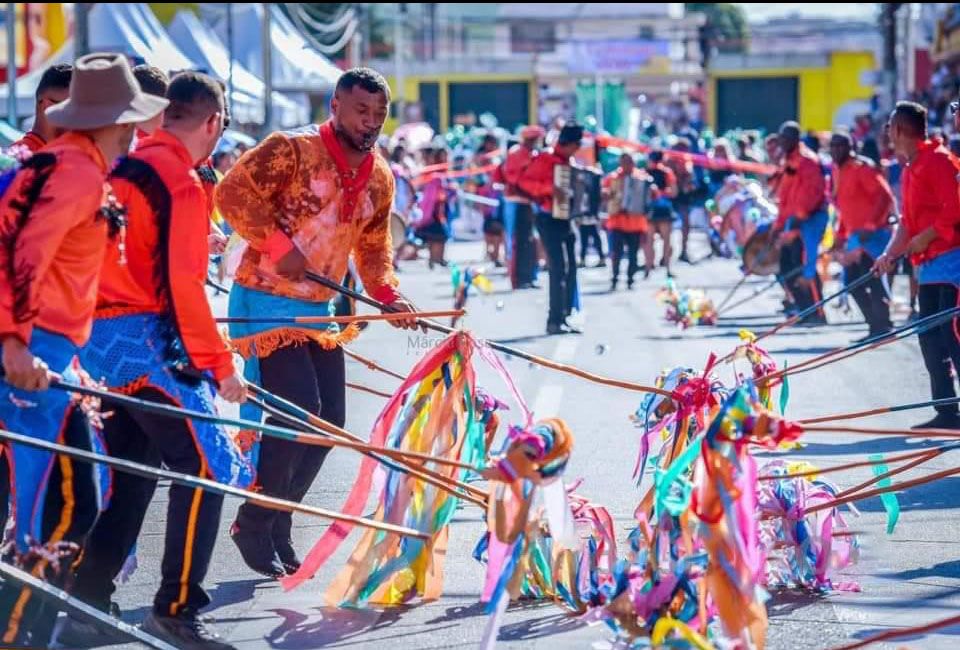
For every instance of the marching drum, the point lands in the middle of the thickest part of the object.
(398, 230)
(761, 254)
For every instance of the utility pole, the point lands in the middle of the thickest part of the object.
(888, 26)
(82, 28)
(230, 53)
(267, 44)
(398, 25)
(12, 64)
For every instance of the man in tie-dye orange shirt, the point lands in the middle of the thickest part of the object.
(306, 200)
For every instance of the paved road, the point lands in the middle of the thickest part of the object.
(908, 577)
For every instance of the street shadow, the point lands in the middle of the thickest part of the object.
(819, 350)
(303, 631)
(786, 602)
(460, 612)
(225, 594)
(879, 445)
(953, 630)
(936, 495)
(531, 338)
(539, 628)
(950, 569)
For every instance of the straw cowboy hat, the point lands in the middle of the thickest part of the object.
(104, 92)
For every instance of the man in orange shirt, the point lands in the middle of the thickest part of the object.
(518, 211)
(864, 203)
(154, 337)
(801, 220)
(537, 182)
(54, 222)
(53, 88)
(929, 232)
(306, 200)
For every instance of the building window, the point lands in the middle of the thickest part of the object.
(646, 33)
(533, 37)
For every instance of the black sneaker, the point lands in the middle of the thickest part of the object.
(613, 284)
(813, 320)
(288, 556)
(75, 633)
(186, 632)
(258, 552)
(873, 337)
(940, 421)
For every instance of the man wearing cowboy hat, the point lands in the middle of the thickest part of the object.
(54, 223)
(156, 297)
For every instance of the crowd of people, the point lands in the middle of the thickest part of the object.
(108, 221)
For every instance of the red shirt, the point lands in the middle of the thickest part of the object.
(929, 185)
(801, 189)
(509, 173)
(537, 179)
(168, 221)
(52, 241)
(32, 141)
(862, 196)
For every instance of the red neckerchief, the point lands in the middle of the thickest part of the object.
(352, 181)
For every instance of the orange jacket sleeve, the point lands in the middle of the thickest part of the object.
(187, 258)
(374, 251)
(247, 195)
(30, 238)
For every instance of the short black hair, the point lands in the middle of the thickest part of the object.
(367, 78)
(790, 129)
(152, 79)
(911, 115)
(570, 133)
(843, 135)
(56, 76)
(655, 156)
(194, 96)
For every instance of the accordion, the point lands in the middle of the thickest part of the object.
(629, 195)
(577, 192)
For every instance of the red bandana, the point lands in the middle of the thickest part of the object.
(352, 181)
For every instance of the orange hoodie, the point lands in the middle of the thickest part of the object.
(52, 241)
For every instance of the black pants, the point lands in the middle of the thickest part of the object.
(524, 246)
(313, 379)
(791, 259)
(69, 512)
(4, 489)
(630, 240)
(559, 241)
(192, 520)
(590, 233)
(940, 345)
(871, 297)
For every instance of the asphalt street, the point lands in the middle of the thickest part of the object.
(906, 578)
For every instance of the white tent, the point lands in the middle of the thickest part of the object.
(208, 53)
(130, 29)
(295, 66)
